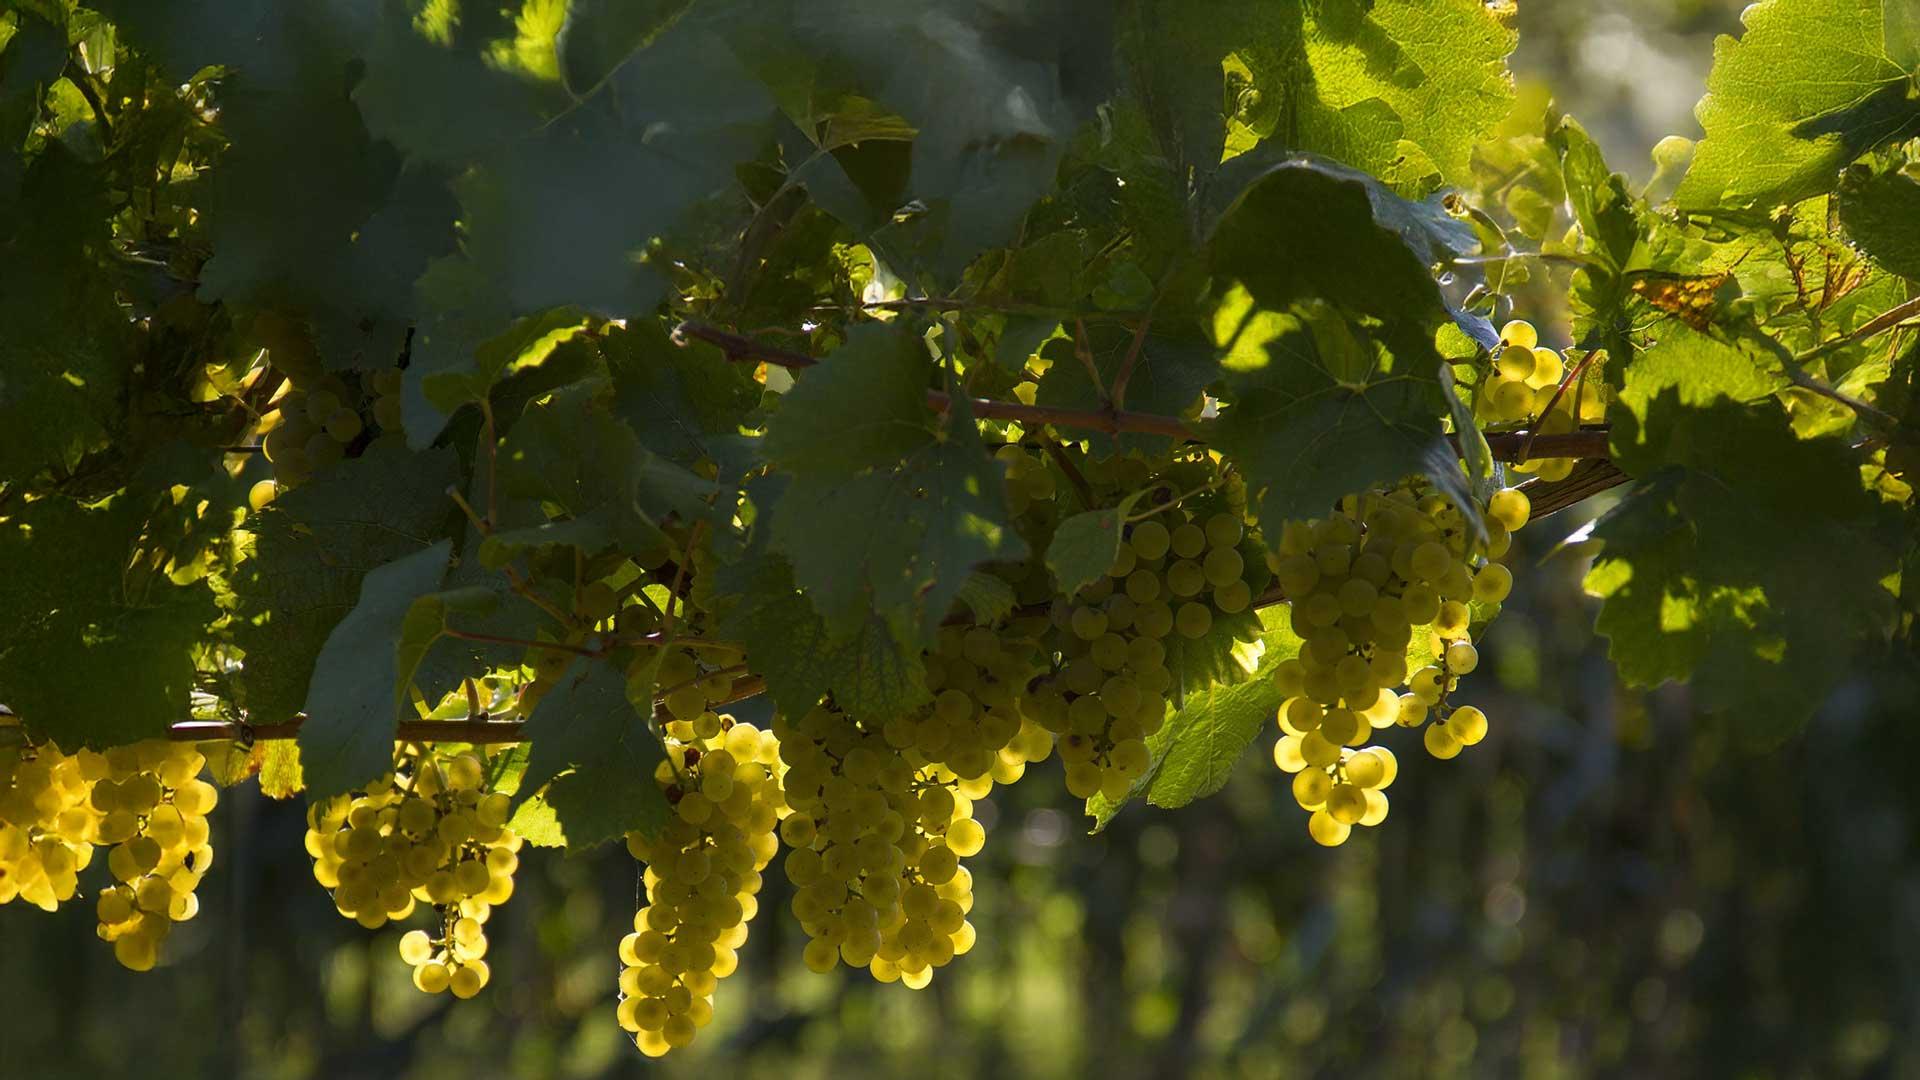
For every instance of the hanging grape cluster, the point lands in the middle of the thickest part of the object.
(702, 879)
(153, 809)
(1389, 574)
(877, 845)
(430, 832)
(1523, 388)
(47, 822)
(144, 802)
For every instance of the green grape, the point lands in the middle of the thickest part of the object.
(1150, 540)
(1189, 540)
(1516, 362)
(1185, 578)
(1089, 623)
(1233, 597)
(1193, 620)
(1519, 332)
(1223, 566)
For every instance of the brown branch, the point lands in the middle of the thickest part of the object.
(1589, 478)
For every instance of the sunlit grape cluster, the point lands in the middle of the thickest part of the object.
(46, 821)
(314, 415)
(1524, 385)
(153, 810)
(428, 832)
(722, 779)
(1173, 575)
(974, 729)
(1388, 575)
(877, 845)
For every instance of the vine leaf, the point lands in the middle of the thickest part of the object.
(1762, 630)
(594, 755)
(584, 466)
(83, 662)
(1322, 411)
(1086, 545)
(1168, 377)
(1197, 747)
(888, 543)
(868, 668)
(599, 35)
(686, 403)
(1808, 87)
(313, 546)
(360, 689)
(1400, 88)
(989, 119)
(865, 405)
(1881, 213)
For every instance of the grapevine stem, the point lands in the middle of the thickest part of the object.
(1505, 446)
(1074, 475)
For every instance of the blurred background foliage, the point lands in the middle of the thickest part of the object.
(1611, 885)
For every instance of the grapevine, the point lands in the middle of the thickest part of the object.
(979, 397)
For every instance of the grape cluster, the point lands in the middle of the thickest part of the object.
(692, 687)
(877, 845)
(429, 831)
(974, 734)
(153, 810)
(314, 418)
(1169, 581)
(1388, 575)
(702, 878)
(46, 822)
(1524, 385)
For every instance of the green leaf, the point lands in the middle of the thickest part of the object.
(1167, 379)
(1808, 87)
(898, 541)
(1881, 213)
(1211, 731)
(600, 35)
(987, 597)
(359, 690)
(869, 669)
(281, 776)
(1196, 748)
(1697, 368)
(598, 486)
(1750, 563)
(594, 756)
(865, 405)
(1609, 220)
(1323, 411)
(63, 366)
(1347, 239)
(313, 546)
(993, 94)
(94, 653)
(686, 403)
(535, 821)
(426, 625)
(1085, 545)
(1400, 88)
